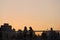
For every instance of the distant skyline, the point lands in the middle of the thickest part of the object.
(40, 14)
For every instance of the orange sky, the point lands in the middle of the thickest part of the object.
(40, 14)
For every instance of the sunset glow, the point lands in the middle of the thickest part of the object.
(40, 14)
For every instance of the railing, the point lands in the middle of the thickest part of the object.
(38, 31)
(46, 30)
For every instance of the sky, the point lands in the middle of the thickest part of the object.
(40, 14)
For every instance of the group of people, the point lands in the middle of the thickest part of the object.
(7, 33)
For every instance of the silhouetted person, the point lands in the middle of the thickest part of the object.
(19, 35)
(6, 31)
(53, 35)
(0, 34)
(31, 33)
(13, 37)
(25, 32)
(6, 27)
(44, 36)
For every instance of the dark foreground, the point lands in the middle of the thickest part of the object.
(7, 33)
